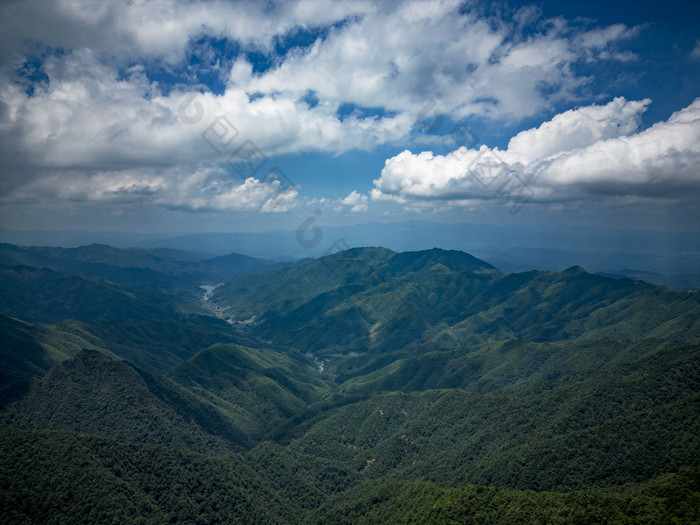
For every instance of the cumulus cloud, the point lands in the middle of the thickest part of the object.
(154, 29)
(594, 150)
(356, 201)
(661, 160)
(578, 128)
(84, 103)
(88, 117)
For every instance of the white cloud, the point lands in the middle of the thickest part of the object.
(356, 201)
(435, 48)
(601, 38)
(595, 150)
(144, 28)
(99, 122)
(204, 189)
(578, 128)
(662, 159)
(87, 117)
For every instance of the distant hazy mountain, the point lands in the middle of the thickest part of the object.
(658, 255)
(510, 248)
(118, 264)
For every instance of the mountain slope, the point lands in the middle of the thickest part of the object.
(373, 301)
(93, 394)
(569, 427)
(365, 386)
(22, 357)
(360, 300)
(95, 480)
(43, 295)
(257, 388)
(29, 350)
(550, 306)
(102, 481)
(667, 499)
(151, 344)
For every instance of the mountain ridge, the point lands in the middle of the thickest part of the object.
(371, 300)
(353, 386)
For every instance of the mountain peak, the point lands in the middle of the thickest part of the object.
(367, 254)
(454, 260)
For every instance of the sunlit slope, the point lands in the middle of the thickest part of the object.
(256, 388)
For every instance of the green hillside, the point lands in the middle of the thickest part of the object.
(93, 394)
(45, 296)
(668, 499)
(365, 308)
(256, 388)
(29, 350)
(367, 386)
(154, 345)
(22, 357)
(86, 479)
(101, 481)
(541, 438)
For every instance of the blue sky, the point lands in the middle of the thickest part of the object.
(242, 116)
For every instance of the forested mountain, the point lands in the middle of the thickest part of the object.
(375, 302)
(130, 266)
(367, 386)
(92, 394)
(21, 357)
(257, 388)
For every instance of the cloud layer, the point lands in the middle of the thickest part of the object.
(90, 91)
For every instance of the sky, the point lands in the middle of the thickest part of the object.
(193, 116)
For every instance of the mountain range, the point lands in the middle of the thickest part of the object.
(363, 386)
(661, 257)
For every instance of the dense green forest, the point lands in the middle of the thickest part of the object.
(367, 386)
